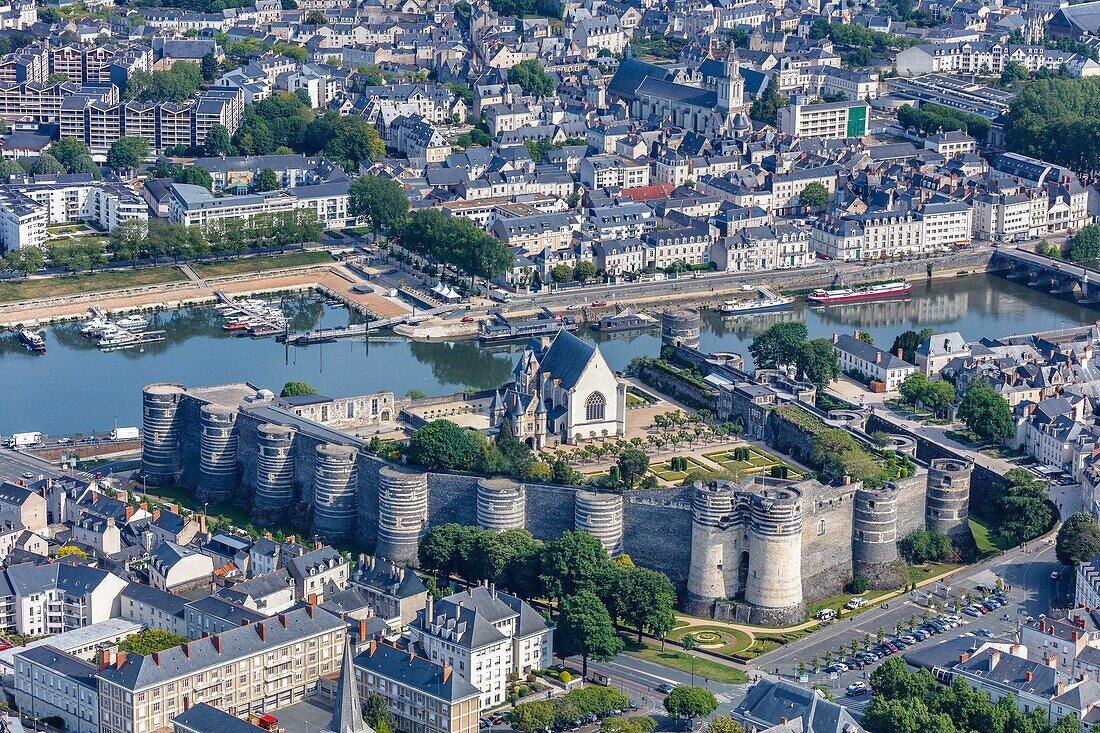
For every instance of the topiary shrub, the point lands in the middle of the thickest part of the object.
(565, 677)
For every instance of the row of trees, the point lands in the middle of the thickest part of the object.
(937, 396)
(788, 343)
(135, 241)
(932, 118)
(925, 545)
(574, 571)
(913, 702)
(455, 241)
(77, 254)
(560, 712)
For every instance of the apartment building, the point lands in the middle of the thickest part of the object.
(50, 683)
(945, 223)
(758, 248)
(786, 188)
(825, 120)
(951, 144)
(622, 221)
(423, 696)
(395, 593)
(196, 206)
(484, 635)
(256, 667)
(1010, 215)
(57, 597)
(22, 222)
(233, 174)
(29, 206)
(608, 171)
(986, 58)
(869, 236)
(536, 232)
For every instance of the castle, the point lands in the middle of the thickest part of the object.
(756, 550)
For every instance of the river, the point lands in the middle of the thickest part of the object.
(76, 388)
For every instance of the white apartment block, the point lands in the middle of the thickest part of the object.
(484, 635)
(59, 597)
(827, 120)
(989, 59)
(196, 206)
(1010, 216)
(607, 171)
(253, 668)
(27, 207)
(944, 224)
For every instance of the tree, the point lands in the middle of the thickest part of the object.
(376, 713)
(585, 628)
(1078, 540)
(814, 196)
(24, 260)
(645, 599)
(561, 273)
(573, 563)
(818, 361)
(584, 271)
(529, 717)
(893, 680)
(381, 202)
(690, 702)
(46, 164)
(151, 641)
(630, 725)
(443, 445)
(765, 107)
(986, 413)
(1086, 244)
(68, 150)
(633, 464)
(10, 168)
(70, 550)
(127, 152)
(209, 66)
(217, 141)
(778, 345)
(316, 17)
(266, 180)
(908, 342)
(725, 724)
(532, 78)
(1021, 509)
(297, 389)
(1014, 72)
(193, 175)
(913, 388)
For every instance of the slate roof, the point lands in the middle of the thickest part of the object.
(412, 669)
(61, 662)
(768, 703)
(138, 672)
(202, 718)
(29, 578)
(566, 358)
(869, 352)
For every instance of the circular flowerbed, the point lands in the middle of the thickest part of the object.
(708, 637)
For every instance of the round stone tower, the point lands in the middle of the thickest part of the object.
(948, 500)
(217, 452)
(160, 447)
(902, 444)
(601, 515)
(681, 327)
(273, 489)
(501, 504)
(714, 533)
(402, 514)
(334, 486)
(774, 582)
(875, 535)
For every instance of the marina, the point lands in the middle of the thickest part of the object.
(197, 350)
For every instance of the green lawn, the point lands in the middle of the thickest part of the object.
(917, 574)
(62, 228)
(663, 469)
(733, 640)
(988, 541)
(51, 287)
(757, 460)
(261, 263)
(672, 657)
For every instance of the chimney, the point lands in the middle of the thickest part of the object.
(261, 630)
(174, 508)
(362, 630)
(878, 357)
(1059, 687)
(120, 495)
(312, 599)
(144, 506)
(964, 657)
(268, 536)
(1030, 675)
(93, 495)
(1079, 622)
(156, 514)
(292, 539)
(202, 523)
(1051, 661)
(1076, 636)
(129, 513)
(446, 671)
(104, 659)
(994, 657)
(317, 545)
(120, 658)
(186, 649)
(309, 611)
(900, 353)
(156, 658)
(429, 608)
(1042, 626)
(373, 646)
(217, 643)
(282, 619)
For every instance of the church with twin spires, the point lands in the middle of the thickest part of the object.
(562, 391)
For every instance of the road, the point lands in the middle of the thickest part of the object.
(14, 464)
(1025, 570)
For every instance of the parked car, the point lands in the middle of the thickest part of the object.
(970, 611)
(856, 688)
(983, 632)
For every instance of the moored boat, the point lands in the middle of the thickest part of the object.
(33, 341)
(767, 300)
(824, 296)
